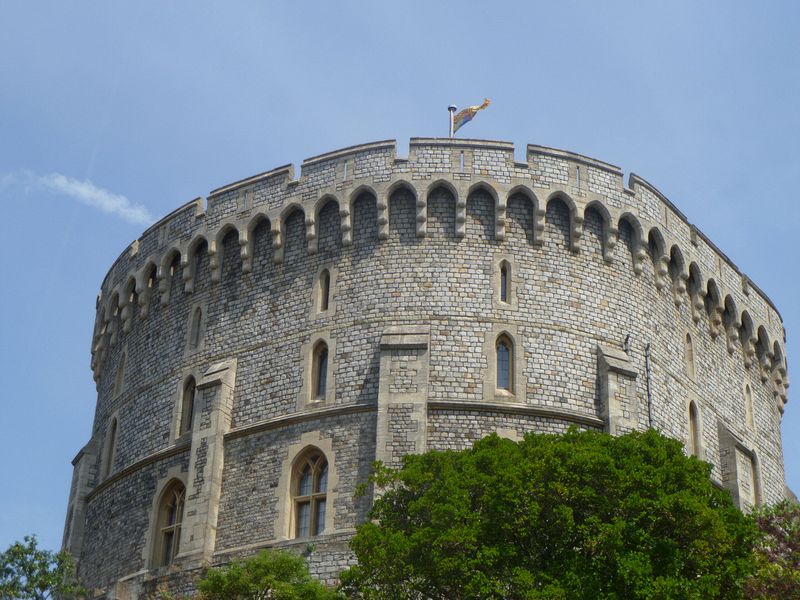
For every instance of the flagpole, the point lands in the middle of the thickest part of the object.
(452, 110)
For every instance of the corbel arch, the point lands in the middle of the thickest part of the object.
(362, 191)
(216, 252)
(713, 304)
(656, 248)
(609, 232)
(448, 190)
(764, 352)
(247, 239)
(537, 212)
(730, 319)
(677, 273)
(190, 258)
(696, 291)
(747, 336)
(319, 206)
(130, 299)
(280, 241)
(383, 205)
(575, 219)
(638, 252)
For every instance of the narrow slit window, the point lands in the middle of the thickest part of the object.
(461, 159)
(505, 282)
(345, 170)
(111, 448)
(197, 322)
(324, 290)
(504, 364)
(694, 430)
(187, 405)
(119, 382)
(689, 351)
(578, 176)
(748, 407)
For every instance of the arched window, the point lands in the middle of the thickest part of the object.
(319, 371)
(187, 405)
(748, 407)
(694, 430)
(505, 364)
(689, 356)
(119, 382)
(309, 491)
(111, 448)
(196, 328)
(505, 282)
(324, 289)
(168, 525)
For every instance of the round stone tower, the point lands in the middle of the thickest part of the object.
(255, 352)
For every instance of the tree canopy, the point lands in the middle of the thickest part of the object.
(30, 573)
(579, 515)
(270, 574)
(777, 552)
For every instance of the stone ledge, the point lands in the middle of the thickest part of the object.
(517, 409)
(299, 417)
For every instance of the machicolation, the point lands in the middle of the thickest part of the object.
(255, 352)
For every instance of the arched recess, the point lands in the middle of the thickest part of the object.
(309, 492)
(695, 441)
(656, 248)
(258, 242)
(677, 273)
(778, 366)
(689, 356)
(696, 292)
(402, 213)
(730, 320)
(522, 216)
(293, 234)
(147, 284)
(484, 215)
(196, 253)
(595, 226)
(764, 353)
(558, 221)
(329, 226)
(441, 199)
(630, 231)
(364, 216)
(610, 232)
(130, 302)
(713, 304)
(168, 522)
(747, 336)
(223, 251)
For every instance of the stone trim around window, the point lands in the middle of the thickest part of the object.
(285, 523)
(519, 383)
(151, 542)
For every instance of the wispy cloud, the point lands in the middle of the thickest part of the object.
(84, 192)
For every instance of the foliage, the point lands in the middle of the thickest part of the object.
(270, 574)
(580, 515)
(26, 572)
(777, 552)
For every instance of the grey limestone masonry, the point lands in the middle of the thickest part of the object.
(606, 281)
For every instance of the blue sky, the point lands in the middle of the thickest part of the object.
(112, 114)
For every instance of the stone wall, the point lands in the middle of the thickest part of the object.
(606, 282)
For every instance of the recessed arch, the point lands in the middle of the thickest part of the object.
(525, 191)
(442, 183)
(323, 202)
(188, 392)
(558, 220)
(595, 225)
(634, 224)
(486, 187)
(504, 357)
(401, 184)
(168, 524)
(309, 492)
(695, 442)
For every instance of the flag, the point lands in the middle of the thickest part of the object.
(465, 116)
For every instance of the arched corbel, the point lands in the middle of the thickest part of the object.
(576, 232)
(610, 243)
(382, 204)
(662, 272)
(311, 232)
(679, 287)
(214, 261)
(246, 250)
(275, 228)
(461, 216)
(732, 333)
(422, 216)
(698, 304)
(500, 219)
(187, 268)
(749, 342)
(346, 225)
(539, 215)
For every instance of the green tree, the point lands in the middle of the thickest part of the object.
(270, 574)
(579, 515)
(777, 552)
(26, 572)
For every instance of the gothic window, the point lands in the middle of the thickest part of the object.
(170, 518)
(309, 492)
(689, 356)
(694, 430)
(324, 290)
(111, 448)
(187, 405)
(505, 364)
(319, 371)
